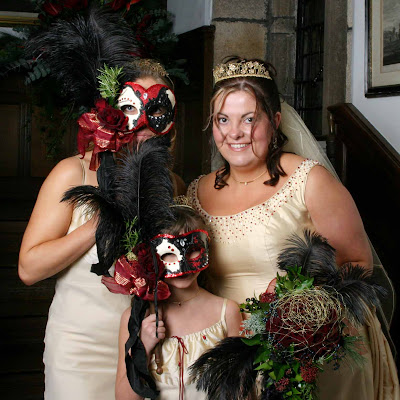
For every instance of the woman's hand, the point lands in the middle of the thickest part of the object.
(148, 332)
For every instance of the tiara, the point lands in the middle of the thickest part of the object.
(240, 69)
(182, 201)
(151, 66)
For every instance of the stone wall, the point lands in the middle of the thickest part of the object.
(258, 29)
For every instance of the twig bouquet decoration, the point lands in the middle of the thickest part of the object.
(293, 333)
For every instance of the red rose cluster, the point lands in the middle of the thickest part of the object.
(309, 341)
(138, 277)
(54, 8)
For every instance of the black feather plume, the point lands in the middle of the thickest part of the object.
(110, 228)
(144, 187)
(352, 283)
(75, 50)
(358, 291)
(226, 372)
(313, 254)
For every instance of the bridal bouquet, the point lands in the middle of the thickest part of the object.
(297, 330)
(294, 332)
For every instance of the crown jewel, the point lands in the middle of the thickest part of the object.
(240, 69)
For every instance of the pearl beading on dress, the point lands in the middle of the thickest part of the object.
(231, 228)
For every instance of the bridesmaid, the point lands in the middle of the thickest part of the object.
(81, 342)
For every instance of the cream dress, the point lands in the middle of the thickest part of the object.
(172, 351)
(81, 342)
(243, 255)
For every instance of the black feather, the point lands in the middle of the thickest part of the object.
(226, 372)
(76, 49)
(313, 254)
(110, 227)
(352, 283)
(358, 291)
(144, 187)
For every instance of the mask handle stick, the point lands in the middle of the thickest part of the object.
(157, 349)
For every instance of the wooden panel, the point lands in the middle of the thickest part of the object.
(17, 299)
(370, 169)
(193, 154)
(9, 137)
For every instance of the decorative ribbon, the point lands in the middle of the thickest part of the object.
(91, 130)
(182, 351)
(128, 280)
(136, 363)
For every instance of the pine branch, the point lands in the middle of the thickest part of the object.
(109, 84)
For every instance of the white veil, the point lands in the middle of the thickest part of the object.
(302, 142)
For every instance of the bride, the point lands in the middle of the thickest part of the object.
(263, 193)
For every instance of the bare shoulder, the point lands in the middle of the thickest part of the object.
(232, 308)
(66, 173)
(320, 180)
(290, 162)
(207, 180)
(206, 183)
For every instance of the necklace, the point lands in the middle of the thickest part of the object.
(184, 301)
(245, 183)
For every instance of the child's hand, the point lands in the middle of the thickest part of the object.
(148, 332)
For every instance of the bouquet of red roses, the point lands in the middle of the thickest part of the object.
(292, 333)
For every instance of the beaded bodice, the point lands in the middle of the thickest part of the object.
(245, 246)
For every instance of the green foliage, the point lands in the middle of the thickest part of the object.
(38, 70)
(109, 84)
(131, 236)
(293, 280)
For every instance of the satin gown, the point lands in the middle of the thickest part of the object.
(81, 341)
(243, 255)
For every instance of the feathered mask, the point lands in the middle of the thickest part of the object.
(292, 332)
(93, 57)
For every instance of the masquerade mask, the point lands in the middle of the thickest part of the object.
(153, 107)
(190, 251)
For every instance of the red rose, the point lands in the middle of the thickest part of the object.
(110, 117)
(51, 8)
(117, 4)
(75, 4)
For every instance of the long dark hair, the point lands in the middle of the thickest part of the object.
(266, 94)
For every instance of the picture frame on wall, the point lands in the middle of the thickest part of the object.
(383, 48)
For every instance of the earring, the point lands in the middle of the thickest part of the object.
(275, 143)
